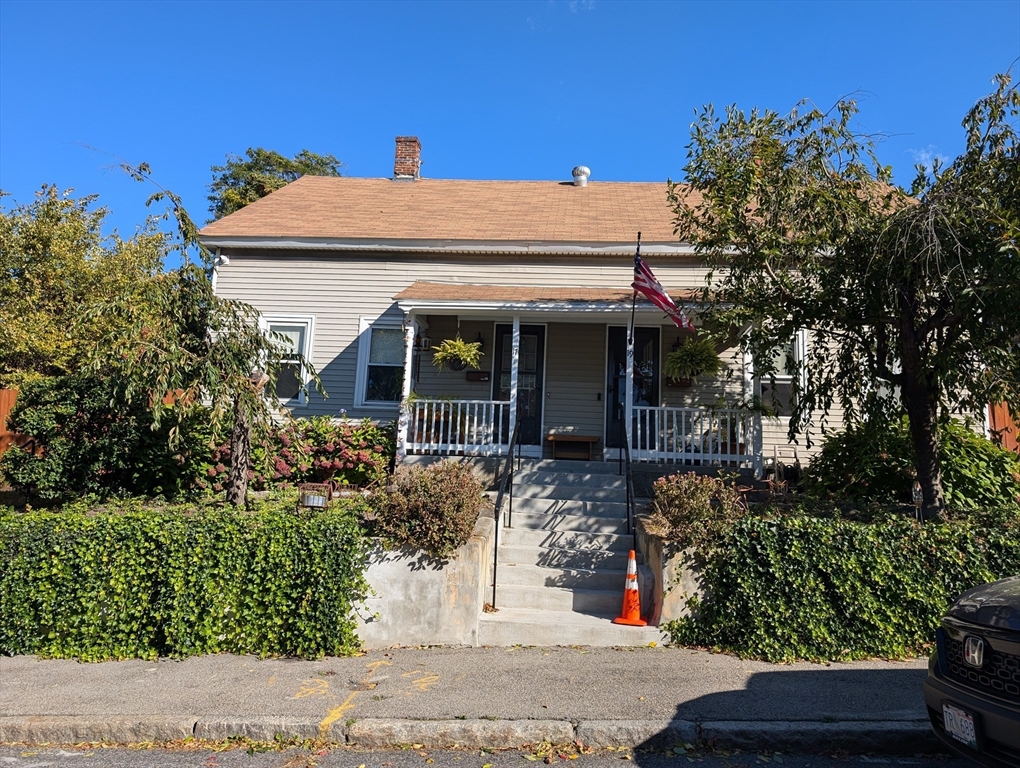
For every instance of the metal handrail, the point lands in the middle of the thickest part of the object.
(506, 480)
(630, 485)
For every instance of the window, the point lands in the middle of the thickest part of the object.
(380, 362)
(785, 358)
(296, 342)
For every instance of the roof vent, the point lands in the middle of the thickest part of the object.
(581, 174)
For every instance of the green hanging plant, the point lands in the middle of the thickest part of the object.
(695, 357)
(457, 354)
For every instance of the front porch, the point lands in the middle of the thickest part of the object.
(587, 367)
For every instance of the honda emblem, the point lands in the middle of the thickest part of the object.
(974, 651)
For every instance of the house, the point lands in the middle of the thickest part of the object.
(366, 276)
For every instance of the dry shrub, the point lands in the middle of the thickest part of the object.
(432, 509)
(689, 508)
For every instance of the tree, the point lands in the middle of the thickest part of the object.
(179, 347)
(911, 298)
(240, 182)
(54, 263)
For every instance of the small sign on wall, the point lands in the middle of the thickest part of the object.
(478, 376)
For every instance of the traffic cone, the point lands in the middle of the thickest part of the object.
(631, 613)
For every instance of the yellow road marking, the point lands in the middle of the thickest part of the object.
(311, 688)
(272, 679)
(423, 683)
(336, 713)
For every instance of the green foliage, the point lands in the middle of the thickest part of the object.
(874, 461)
(312, 450)
(796, 587)
(910, 298)
(240, 182)
(690, 509)
(94, 443)
(131, 582)
(695, 357)
(433, 509)
(55, 262)
(457, 353)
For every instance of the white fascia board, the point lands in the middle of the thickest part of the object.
(445, 246)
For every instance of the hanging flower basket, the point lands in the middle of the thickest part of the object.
(457, 354)
(695, 357)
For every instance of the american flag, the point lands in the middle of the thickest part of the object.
(646, 284)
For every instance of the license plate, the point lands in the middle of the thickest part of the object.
(959, 725)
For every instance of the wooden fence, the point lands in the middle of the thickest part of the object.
(8, 438)
(1004, 429)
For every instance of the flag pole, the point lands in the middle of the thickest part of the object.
(633, 298)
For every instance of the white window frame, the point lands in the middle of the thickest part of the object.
(799, 344)
(365, 326)
(266, 321)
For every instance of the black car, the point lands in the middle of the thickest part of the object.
(973, 684)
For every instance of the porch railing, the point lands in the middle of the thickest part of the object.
(696, 436)
(458, 427)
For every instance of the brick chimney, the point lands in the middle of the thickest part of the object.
(407, 165)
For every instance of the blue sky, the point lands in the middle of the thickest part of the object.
(511, 90)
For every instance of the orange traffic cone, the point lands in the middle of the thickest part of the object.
(631, 613)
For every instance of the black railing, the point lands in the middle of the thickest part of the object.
(506, 483)
(630, 484)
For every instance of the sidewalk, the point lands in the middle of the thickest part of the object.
(493, 697)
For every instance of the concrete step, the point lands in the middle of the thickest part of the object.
(569, 493)
(574, 479)
(599, 601)
(569, 465)
(559, 557)
(538, 506)
(573, 523)
(522, 626)
(530, 575)
(606, 542)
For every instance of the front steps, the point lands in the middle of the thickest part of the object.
(562, 566)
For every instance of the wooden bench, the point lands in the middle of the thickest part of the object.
(571, 446)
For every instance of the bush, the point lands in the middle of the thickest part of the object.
(875, 462)
(432, 509)
(312, 450)
(95, 444)
(132, 582)
(690, 508)
(786, 587)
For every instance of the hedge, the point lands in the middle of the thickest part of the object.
(786, 587)
(145, 583)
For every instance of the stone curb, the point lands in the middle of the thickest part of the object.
(897, 737)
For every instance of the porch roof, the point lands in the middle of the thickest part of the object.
(463, 297)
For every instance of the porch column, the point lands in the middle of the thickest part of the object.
(751, 390)
(628, 389)
(405, 388)
(514, 361)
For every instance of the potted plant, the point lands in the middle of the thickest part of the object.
(457, 354)
(695, 357)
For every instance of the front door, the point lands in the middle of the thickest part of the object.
(530, 377)
(646, 377)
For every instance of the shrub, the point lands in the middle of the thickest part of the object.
(432, 509)
(689, 508)
(312, 450)
(127, 581)
(875, 462)
(786, 587)
(95, 444)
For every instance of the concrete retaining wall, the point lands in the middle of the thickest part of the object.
(419, 600)
(675, 575)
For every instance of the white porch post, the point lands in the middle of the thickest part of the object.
(628, 387)
(750, 390)
(405, 388)
(514, 361)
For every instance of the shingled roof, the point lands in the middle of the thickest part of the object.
(459, 210)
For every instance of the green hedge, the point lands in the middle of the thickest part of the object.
(146, 583)
(782, 588)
